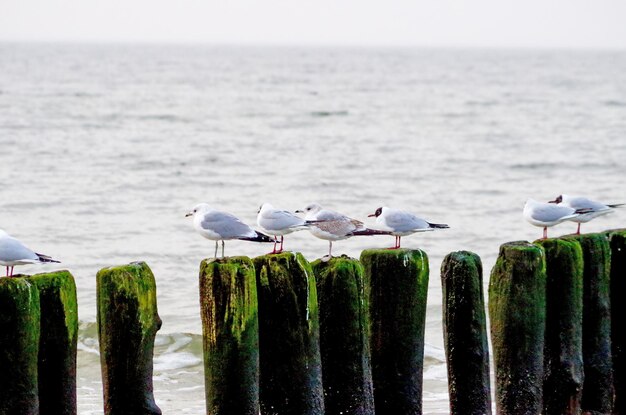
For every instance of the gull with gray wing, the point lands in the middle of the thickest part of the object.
(401, 223)
(594, 208)
(13, 252)
(334, 226)
(222, 226)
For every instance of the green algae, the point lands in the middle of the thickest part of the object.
(617, 240)
(290, 363)
(563, 352)
(19, 346)
(58, 342)
(517, 310)
(399, 288)
(229, 312)
(597, 357)
(127, 324)
(465, 334)
(344, 336)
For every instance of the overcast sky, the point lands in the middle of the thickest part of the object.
(481, 23)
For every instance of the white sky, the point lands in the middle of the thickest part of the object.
(481, 23)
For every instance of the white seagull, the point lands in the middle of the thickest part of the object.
(401, 223)
(576, 202)
(222, 226)
(13, 252)
(278, 223)
(333, 226)
(547, 214)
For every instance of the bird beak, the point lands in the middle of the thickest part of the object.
(189, 214)
(372, 215)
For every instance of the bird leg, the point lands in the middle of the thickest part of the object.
(545, 232)
(274, 249)
(12, 270)
(330, 248)
(215, 255)
(398, 242)
(282, 238)
(396, 245)
(222, 248)
(578, 230)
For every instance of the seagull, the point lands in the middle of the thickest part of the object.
(221, 226)
(400, 223)
(576, 202)
(279, 222)
(333, 226)
(13, 252)
(547, 214)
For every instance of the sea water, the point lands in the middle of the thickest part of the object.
(105, 148)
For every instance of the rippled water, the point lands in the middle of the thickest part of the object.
(104, 148)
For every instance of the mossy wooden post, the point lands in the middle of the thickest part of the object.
(57, 345)
(465, 334)
(19, 346)
(289, 353)
(563, 351)
(598, 385)
(517, 309)
(618, 311)
(127, 325)
(230, 327)
(344, 336)
(399, 288)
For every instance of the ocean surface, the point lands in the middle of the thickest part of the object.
(104, 148)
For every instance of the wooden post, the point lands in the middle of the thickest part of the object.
(344, 336)
(563, 351)
(618, 311)
(399, 288)
(58, 341)
(291, 368)
(598, 386)
(230, 327)
(19, 346)
(517, 309)
(465, 334)
(127, 325)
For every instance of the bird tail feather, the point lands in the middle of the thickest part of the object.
(46, 258)
(616, 205)
(260, 237)
(368, 231)
(438, 225)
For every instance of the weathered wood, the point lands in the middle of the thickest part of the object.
(563, 351)
(291, 368)
(230, 327)
(517, 310)
(598, 385)
(58, 342)
(618, 311)
(399, 288)
(19, 346)
(344, 336)
(127, 325)
(465, 334)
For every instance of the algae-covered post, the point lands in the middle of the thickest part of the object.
(19, 346)
(618, 311)
(57, 345)
(465, 334)
(344, 336)
(127, 325)
(399, 287)
(289, 353)
(228, 308)
(598, 385)
(517, 309)
(563, 352)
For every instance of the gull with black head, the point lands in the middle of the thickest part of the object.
(594, 208)
(401, 223)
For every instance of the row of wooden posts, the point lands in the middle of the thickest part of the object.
(285, 336)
